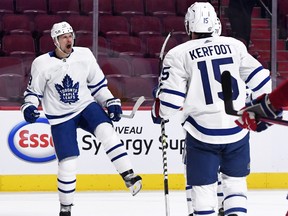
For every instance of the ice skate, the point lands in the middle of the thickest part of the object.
(65, 210)
(221, 212)
(65, 213)
(132, 181)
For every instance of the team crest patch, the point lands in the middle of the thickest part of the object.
(67, 91)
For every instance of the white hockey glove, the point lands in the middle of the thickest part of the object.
(258, 107)
(113, 106)
(30, 112)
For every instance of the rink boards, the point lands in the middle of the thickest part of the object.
(28, 162)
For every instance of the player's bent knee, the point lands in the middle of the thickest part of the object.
(106, 134)
(113, 147)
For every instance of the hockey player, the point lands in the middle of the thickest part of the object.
(73, 93)
(191, 80)
(217, 32)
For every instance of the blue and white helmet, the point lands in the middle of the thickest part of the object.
(200, 18)
(217, 28)
(60, 29)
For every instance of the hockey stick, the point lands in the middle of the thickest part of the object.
(135, 108)
(165, 165)
(228, 102)
(163, 137)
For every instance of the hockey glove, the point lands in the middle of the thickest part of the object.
(156, 108)
(114, 109)
(154, 92)
(30, 112)
(155, 112)
(259, 107)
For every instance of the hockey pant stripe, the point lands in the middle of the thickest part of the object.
(63, 191)
(233, 210)
(114, 147)
(65, 182)
(231, 200)
(204, 212)
(119, 156)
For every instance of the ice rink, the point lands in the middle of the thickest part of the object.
(146, 203)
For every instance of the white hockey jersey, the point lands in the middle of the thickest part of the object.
(66, 86)
(191, 79)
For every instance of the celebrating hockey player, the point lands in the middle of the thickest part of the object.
(73, 92)
(191, 80)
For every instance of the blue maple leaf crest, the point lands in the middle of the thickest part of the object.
(67, 91)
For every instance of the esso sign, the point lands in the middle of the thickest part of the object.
(32, 142)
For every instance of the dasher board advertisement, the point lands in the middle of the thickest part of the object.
(28, 148)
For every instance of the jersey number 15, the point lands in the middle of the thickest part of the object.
(216, 63)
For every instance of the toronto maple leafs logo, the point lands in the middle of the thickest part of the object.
(68, 92)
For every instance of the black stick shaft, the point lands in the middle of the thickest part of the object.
(163, 137)
(165, 169)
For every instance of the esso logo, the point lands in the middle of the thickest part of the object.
(32, 142)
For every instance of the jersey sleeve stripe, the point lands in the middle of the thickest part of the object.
(170, 105)
(169, 91)
(261, 84)
(97, 90)
(30, 93)
(253, 74)
(95, 86)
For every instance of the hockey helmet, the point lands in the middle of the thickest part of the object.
(200, 18)
(60, 29)
(217, 28)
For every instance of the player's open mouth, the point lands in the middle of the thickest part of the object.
(69, 46)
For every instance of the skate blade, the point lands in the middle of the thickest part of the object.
(134, 189)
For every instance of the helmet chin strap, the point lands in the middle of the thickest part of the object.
(66, 54)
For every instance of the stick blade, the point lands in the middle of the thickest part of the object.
(138, 103)
(135, 108)
(227, 93)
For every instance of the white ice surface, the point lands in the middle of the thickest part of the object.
(146, 203)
